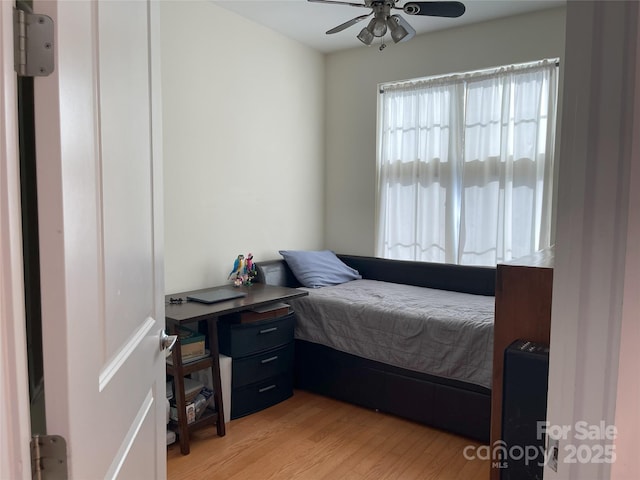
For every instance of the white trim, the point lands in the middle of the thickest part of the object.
(15, 432)
(592, 230)
(628, 394)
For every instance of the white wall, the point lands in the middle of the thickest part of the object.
(243, 103)
(243, 143)
(352, 79)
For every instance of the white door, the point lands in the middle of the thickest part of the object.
(98, 144)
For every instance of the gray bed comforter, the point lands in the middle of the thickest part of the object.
(442, 333)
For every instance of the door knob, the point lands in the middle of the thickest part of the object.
(167, 342)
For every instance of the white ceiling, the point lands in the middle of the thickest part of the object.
(306, 22)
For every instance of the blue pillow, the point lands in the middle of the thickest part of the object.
(318, 268)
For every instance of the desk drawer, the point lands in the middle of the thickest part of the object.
(259, 367)
(258, 396)
(240, 339)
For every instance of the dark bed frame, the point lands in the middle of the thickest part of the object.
(451, 405)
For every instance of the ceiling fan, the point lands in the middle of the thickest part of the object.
(383, 20)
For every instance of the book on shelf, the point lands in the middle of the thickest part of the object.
(191, 342)
(190, 359)
(170, 390)
(196, 406)
(191, 388)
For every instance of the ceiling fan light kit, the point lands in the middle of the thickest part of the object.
(398, 32)
(378, 26)
(365, 36)
(382, 19)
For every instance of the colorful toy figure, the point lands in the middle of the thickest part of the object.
(238, 266)
(249, 267)
(244, 270)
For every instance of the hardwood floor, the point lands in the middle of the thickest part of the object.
(310, 437)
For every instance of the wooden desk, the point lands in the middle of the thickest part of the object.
(191, 312)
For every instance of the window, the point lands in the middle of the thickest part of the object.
(465, 165)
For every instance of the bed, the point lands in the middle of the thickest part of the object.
(413, 339)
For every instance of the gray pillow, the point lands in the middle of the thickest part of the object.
(318, 268)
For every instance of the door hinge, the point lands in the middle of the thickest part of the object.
(32, 44)
(48, 457)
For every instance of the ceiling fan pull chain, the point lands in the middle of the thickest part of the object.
(382, 44)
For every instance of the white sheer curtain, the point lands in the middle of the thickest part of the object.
(465, 166)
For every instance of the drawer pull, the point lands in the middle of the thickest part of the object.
(271, 359)
(266, 389)
(268, 330)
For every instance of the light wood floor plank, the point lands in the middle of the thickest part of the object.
(310, 437)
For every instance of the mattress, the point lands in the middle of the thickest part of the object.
(438, 332)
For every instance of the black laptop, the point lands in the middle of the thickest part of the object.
(217, 295)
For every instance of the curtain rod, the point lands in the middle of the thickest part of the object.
(476, 73)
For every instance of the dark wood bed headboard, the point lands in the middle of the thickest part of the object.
(457, 278)
(276, 272)
(441, 276)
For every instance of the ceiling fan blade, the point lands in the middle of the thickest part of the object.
(353, 21)
(336, 2)
(435, 9)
